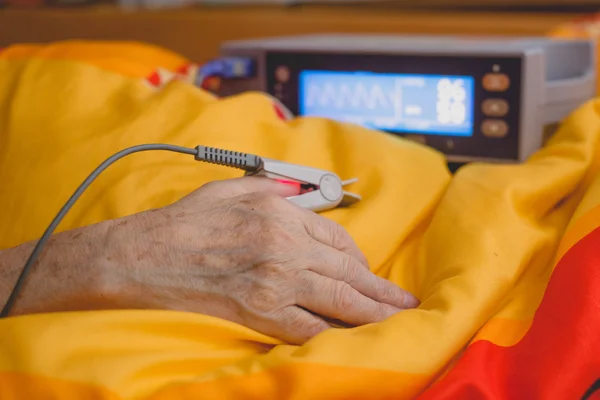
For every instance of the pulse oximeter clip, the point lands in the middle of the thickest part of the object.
(320, 190)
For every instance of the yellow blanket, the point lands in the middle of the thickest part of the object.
(503, 258)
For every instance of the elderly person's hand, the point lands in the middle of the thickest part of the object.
(234, 249)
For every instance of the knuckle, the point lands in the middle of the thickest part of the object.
(343, 298)
(347, 269)
(339, 236)
(338, 232)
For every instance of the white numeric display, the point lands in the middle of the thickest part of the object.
(451, 98)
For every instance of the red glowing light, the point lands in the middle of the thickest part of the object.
(285, 182)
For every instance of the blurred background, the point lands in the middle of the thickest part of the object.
(195, 28)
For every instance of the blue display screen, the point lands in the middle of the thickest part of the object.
(429, 104)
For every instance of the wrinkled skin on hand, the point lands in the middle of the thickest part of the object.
(238, 250)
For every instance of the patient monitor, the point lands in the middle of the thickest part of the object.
(473, 99)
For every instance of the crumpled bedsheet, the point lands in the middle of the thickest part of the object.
(505, 258)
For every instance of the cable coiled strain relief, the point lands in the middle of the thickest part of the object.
(228, 158)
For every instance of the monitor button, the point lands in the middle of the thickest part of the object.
(494, 128)
(494, 107)
(494, 82)
(282, 74)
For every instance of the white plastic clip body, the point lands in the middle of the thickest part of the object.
(323, 190)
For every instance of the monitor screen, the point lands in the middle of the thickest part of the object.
(403, 103)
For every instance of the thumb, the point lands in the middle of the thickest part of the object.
(252, 184)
